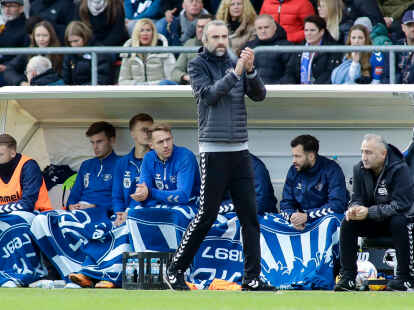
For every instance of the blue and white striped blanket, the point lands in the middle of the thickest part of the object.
(19, 260)
(291, 259)
(75, 242)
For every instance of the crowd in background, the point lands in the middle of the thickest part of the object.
(162, 23)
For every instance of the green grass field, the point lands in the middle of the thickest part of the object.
(90, 299)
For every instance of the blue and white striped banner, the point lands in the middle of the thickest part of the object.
(19, 260)
(74, 242)
(291, 259)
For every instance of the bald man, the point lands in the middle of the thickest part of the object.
(381, 204)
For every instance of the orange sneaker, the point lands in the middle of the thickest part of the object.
(105, 284)
(80, 279)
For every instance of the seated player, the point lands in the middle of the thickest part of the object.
(22, 191)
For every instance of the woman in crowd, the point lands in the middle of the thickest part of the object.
(313, 67)
(146, 69)
(77, 67)
(332, 11)
(359, 67)
(106, 18)
(43, 35)
(239, 15)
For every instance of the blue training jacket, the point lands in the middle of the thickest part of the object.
(319, 191)
(126, 178)
(173, 182)
(94, 184)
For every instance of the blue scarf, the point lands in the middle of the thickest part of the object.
(306, 66)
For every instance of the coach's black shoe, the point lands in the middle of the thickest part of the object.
(257, 284)
(175, 280)
(345, 284)
(400, 284)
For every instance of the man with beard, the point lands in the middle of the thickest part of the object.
(381, 205)
(219, 85)
(13, 32)
(314, 187)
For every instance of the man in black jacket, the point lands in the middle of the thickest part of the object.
(219, 85)
(13, 33)
(270, 65)
(381, 205)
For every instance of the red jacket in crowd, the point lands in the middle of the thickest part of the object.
(290, 14)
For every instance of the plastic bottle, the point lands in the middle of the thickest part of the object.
(129, 270)
(155, 266)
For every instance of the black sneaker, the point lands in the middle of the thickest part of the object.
(345, 284)
(400, 285)
(257, 284)
(175, 280)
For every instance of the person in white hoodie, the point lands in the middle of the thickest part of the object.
(146, 68)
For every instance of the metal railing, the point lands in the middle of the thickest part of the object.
(94, 51)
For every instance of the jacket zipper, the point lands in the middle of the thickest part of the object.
(279, 9)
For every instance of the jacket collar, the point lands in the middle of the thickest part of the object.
(108, 158)
(169, 159)
(316, 167)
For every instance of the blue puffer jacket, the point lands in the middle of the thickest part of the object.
(126, 178)
(175, 181)
(319, 191)
(94, 184)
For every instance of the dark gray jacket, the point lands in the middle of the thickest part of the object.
(220, 94)
(391, 194)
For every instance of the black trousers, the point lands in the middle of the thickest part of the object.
(397, 227)
(221, 171)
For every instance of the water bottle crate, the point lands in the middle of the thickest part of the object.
(144, 270)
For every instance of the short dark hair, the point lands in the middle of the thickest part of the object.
(8, 140)
(99, 127)
(141, 117)
(317, 20)
(205, 16)
(308, 142)
(158, 127)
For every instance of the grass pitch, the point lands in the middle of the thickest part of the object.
(117, 299)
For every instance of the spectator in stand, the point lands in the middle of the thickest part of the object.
(313, 67)
(270, 66)
(405, 60)
(290, 14)
(39, 72)
(359, 67)
(77, 67)
(332, 11)
(146, 69)
(393, 11)
(106, 19)
(137, 9)
(239, 17)
(179, 29)
(128, 167)
(13, 32)
(43, 35)
(179, 73)
(360, 8)
(58, 12)
(213, 5)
